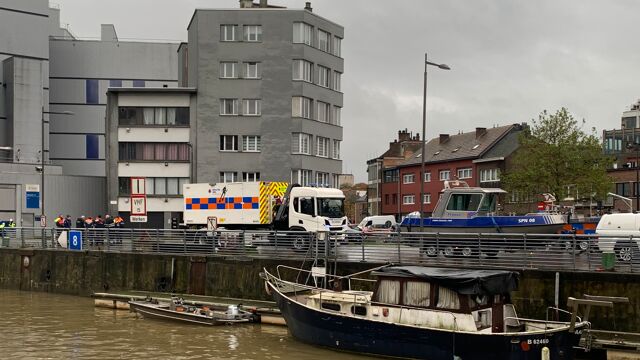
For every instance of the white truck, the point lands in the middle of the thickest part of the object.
(264, 205)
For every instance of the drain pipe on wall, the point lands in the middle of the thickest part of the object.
(173, 270)
(557, 294)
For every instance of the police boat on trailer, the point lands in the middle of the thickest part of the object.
(423, 313)
(464, 209)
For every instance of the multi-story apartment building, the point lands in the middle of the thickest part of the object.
(477, 157)
(148, 136)
(269, 94)
(624, 146)
(399, 151)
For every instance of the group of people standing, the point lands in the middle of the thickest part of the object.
(90, 223)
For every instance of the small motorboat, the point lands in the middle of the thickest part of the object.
(178, 310)
(424, 313)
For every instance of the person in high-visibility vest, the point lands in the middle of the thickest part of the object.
(12, 224)
(59, 221)
(2, 225)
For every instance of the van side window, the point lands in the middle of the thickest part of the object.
(369, 223)
(306, 206)
(295, 205)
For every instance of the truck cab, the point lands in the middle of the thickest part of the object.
(315, 209)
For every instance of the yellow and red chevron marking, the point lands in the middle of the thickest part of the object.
(267, 191)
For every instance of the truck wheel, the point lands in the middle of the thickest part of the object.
(431, 251)
(299, 242)
(626, 251)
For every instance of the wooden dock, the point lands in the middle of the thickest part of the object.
(269, 313)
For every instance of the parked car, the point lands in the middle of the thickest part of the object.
(620, 233)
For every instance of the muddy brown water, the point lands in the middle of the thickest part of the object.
(41, 325)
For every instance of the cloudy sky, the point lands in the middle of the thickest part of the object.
(510, 59)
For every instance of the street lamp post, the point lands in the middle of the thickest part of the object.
(42, 151)
(424, 132)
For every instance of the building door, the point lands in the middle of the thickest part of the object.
(197, 276)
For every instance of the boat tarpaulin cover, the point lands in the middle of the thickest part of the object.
(463, 281)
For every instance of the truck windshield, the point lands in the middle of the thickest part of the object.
(333, 208)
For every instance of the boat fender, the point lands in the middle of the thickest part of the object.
(266, 288)
(545, 354)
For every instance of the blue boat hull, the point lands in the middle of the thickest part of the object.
(540, 224)
(385, 339)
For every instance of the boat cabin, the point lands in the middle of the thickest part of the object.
(453, 299)
(466, 202)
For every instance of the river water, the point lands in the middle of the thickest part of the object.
(41, 325)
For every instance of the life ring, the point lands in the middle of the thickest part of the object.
(266, 288)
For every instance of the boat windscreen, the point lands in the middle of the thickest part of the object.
(464, 202)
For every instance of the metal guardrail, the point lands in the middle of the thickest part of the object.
(491, 250)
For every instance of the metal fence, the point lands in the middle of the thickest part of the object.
(493, 250)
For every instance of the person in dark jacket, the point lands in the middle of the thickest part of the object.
(80, 222)
(67, 222)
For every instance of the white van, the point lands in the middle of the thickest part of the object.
(378, 221)
(620, 233)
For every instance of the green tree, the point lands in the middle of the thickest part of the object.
(556, 156)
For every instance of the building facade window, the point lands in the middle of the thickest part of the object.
(323, 111)
(445, 175)
(252, 70)
(228, 142)
(143, 151)
(114, 83)
(337, 79)
(489, 175)
(154, 186)
(322, 179)
(408, 199)
(408, 178)
(250, 176)
(303, 70)
(149, 116)
(337, 46)
(335, 151)
(426, 198)
(138, 83)
(228, 32)
(391, 175)
(302, 33)
(427, 176)
(336, 114)
(300, 176)
(228, 106)
(253, 33)
(300, 143)
(252, 107)
(322, 146)
(228, 176)
(323, 76)
(323, 40)
(465, 173)
(301, 107)
(251, 143)
(228, 70)
(91, 91)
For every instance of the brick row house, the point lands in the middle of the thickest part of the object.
(477, 157)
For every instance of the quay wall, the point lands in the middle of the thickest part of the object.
(83, 273)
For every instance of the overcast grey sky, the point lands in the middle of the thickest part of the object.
(510, 59)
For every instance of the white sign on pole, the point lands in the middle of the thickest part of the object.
(212, 223)
(138, 205)
(138, 218)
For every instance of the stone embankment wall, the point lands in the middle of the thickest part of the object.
(83, 273)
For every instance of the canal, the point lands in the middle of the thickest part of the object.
(44, 325)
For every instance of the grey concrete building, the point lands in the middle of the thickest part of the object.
(81, 71)
(269, 101)
(24, 105)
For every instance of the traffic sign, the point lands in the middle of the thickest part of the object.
(138, 218)
(212, 223)
(75, 240)
(138, 205)
(43, 221)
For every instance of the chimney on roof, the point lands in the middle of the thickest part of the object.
(404, 135)
(246, 4)
(263, 4)
(444, 138)
(480, 131)
(307, 6)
